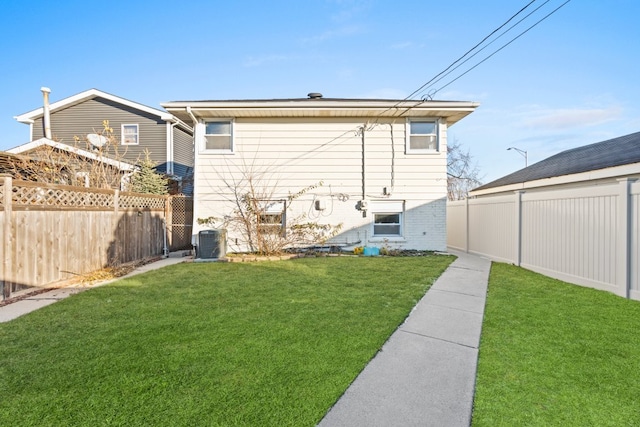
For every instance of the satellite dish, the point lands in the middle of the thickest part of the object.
(96, 140)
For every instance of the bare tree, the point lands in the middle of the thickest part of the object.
(262, 215)
(463, 174)
(80, 164)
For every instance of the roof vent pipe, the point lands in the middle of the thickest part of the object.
(46, 118)
(314, 95)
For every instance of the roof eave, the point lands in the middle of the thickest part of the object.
(598, 174)
(452, 111)
(121, 165)
(78, 98)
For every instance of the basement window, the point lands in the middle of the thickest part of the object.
(387, 224)
(272, 217)
(218, 136)
(423, 136)
(387, 218)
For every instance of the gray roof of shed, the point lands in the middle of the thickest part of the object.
(619, 151)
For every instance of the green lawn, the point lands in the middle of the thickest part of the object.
(555, 354)
(216, 344)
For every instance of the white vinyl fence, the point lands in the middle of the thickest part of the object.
(587, 235)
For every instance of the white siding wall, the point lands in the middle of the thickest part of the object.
(291, 154)
(587, 235)
(634, 253)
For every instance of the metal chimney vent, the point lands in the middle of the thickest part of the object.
(314, 95)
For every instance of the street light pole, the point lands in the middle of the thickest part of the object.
(523, 153)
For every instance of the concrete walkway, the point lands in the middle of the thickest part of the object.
(32, 303)
(424, 375)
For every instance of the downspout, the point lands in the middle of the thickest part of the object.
(165, 249)
(194, 241)
(169, 148)
(393, 162)
(363, 200)
(364, 177)
(173, 145)
(46, 118)
(195, 121)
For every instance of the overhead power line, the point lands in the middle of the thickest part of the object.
(452, 67)
(503, 46)
(461, 60)
(433, 81)
(471, 50)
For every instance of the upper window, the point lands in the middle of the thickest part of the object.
(423, 136)
(218, 136)
(387, 224)
(130, 134)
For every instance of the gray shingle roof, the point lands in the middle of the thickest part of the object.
(619, 151)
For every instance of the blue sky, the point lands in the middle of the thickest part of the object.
(570, 81)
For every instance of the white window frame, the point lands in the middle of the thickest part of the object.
(399, 224)
(387, 207)
(273, 209)
(410, 150)
(203, 146)
(122, 134)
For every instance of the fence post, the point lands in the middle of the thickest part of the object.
(623, 273)
(168, 222)
(116, 230)
(518, 225)
(466, 225)
(6, 273)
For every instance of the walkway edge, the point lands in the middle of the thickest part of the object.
(425, 373)
(32, 303)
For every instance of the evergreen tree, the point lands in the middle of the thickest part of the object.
(147, 179)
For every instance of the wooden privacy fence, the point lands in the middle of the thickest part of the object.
(587, 236)
(52, 233)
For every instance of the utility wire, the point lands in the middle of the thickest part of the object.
(471, 50)
(505, 45)
(434, 80)
(455, 62)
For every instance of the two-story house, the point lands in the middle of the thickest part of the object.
(136, 128)
(377, 167)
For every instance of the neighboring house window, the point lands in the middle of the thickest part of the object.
(272, 217)
(423, 136)
(130, 135)
(218, 136)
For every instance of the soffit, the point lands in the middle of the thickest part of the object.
(452, 111)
